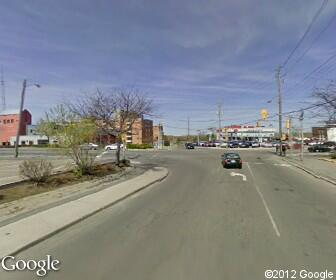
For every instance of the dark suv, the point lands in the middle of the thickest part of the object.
(319, 148)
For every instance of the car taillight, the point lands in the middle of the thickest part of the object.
(227, 161)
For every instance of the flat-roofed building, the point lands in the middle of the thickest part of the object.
(9, 124)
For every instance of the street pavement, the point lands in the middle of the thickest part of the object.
(203, 222)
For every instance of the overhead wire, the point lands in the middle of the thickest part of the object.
(315, 17)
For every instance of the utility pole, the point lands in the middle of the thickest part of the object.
(188, 129)
(3, 92)
(198, 137)
(219, 113)
(301, 130)
(24, 85)
(278, 76)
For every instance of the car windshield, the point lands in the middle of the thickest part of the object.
(231, 156)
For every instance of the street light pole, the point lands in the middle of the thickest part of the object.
(301, 128)
(280, 107)
(24, 86)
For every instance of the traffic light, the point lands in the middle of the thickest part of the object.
(264, 114)
(288, 123)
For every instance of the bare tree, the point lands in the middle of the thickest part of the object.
(325, 102)
(114, 112)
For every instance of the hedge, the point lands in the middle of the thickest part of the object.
(139, 146)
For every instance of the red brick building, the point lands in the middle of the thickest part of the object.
(9, 122)
(141, 132)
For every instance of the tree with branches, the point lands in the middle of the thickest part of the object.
(114, 112)
(325, 102)
(72, 133)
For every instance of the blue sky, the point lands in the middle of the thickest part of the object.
(186, 55)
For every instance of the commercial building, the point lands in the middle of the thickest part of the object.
(320, 133)
(9, 125)
(327, 132)
(248, 133)
(141, 132)
(30, 140)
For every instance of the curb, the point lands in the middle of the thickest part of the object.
(328, 160)
(310, 172)
(81, 218)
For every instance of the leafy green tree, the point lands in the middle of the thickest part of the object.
(72, 134)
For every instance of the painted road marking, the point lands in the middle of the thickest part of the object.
(238, 174)
(282, 164)
(275, 227)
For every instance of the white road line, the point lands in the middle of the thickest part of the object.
(275, 227)
(282, 164)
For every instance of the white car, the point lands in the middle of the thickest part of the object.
(113, 147)
(93, 146)
(224, 144)
(266, 145)
(90, 146)
(255, 144)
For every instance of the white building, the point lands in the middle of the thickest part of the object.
(248, 133)
(331, 134)
(29, 140)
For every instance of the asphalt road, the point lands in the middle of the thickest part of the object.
(203, 223)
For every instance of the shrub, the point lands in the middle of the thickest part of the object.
(83, 159)
(139, 146)
(36, 170)
(333, 156)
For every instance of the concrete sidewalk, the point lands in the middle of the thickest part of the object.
(316, 166)
(20, 235)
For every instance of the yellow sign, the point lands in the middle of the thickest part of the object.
(288, 124)
(264, 114)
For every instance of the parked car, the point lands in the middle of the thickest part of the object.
(266, 144)
(233, 144)
(319, 148)
(224, 145)
(330, 144)
(189, 146)
(277, 144)
(113, 147)
(232, 160)
(255, 144)
(90, 146)
(313, 143)
(244, 145)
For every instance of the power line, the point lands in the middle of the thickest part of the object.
(319, 67)
(323, 5)
(314, 40)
